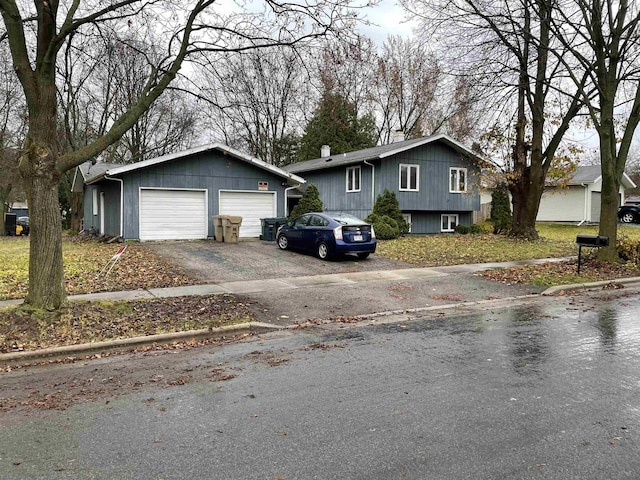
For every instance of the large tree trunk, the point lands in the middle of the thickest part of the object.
(526, 196)
(46, 272)
(609, 201)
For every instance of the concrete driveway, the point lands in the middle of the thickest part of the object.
(215, 262)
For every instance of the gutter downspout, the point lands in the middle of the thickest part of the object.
(586, 199)
(373, 183)
(286, 203)
(119, 180)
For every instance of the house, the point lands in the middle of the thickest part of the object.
(434, 178)
(579, 201)
(175, 196)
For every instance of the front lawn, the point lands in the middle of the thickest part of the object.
(556, 241)
(137, 268)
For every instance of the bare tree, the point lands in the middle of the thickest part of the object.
(258, 101)
(37, 34)
(603, 37)
(505, 47)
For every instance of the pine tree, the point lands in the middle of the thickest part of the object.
(500, 210)
(310, 202)
(336, 123)
(387, 218)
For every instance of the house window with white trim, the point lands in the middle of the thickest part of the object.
(94, 202)
(353, 179)
(457, 180)
(449, 222)
(409, 175)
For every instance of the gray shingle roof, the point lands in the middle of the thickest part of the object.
(375, 153)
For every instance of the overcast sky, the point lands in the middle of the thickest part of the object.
(388, 19)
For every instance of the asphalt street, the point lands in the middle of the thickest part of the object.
(545, 388)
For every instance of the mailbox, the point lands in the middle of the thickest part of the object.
(592, 241)
(595, 241)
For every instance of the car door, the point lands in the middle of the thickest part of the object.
(297, 231)
(317, 229)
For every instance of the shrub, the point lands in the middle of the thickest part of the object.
(628, 250)
(500, 210)
(387, 205)
(476, 229)
(310, 202)
(462, 229)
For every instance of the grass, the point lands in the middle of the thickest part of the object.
(437, 250)
(556, 241)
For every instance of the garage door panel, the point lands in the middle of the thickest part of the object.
(251, 206)
(172, 214)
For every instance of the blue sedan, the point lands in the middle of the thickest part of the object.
(328, 235)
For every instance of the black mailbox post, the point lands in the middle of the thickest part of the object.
(594, 241)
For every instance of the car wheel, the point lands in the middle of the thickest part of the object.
(283, 242)
(323, 251)
(627, 217)
(363, 255)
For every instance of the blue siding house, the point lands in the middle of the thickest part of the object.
(175, 196)
(435, 180)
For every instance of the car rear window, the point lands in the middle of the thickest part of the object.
(346, 219)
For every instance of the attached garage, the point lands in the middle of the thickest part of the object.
(251, 206)
(173, 214)
(174, 197)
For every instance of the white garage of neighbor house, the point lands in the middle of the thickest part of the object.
(174, 197)
(579, 201)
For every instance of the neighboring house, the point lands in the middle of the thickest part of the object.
(579, 201)
(175, 196)
(434, 178)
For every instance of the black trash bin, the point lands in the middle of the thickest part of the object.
(268, 229)
(10, 224)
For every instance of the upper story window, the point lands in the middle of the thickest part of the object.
(409, 175)
(353, 179)
(457, 180)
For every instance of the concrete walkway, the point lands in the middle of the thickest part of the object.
(288, 283)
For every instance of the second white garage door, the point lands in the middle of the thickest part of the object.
(173, 214)
(251, 206)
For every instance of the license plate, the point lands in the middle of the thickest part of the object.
(357, 238)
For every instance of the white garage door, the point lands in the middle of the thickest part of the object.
(251, 206)
(173, 214)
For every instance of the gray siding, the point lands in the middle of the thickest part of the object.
(111, 214)
(425, 205)
(211, 171)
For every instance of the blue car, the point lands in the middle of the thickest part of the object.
(328, 235)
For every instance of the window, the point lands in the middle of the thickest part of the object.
(317, 221)
(409, 177)
(449, 223)
(457, 180)
(95, 201)
(353, 179)
(302, 221)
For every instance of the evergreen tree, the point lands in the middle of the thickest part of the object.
(336, 123)
(310, 202)
(500, 210)
(387, 218)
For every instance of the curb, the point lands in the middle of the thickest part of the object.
(84, 348)
(587, 286)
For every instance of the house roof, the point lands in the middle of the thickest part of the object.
(592, 174)
(94, 173)
(377, 153)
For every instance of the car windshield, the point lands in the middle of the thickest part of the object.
(346, 219)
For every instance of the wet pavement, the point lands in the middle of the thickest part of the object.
(544, 388)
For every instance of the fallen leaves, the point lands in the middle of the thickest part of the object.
(85, 322)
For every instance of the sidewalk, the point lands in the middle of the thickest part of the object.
(287, 283)
(283, 284)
